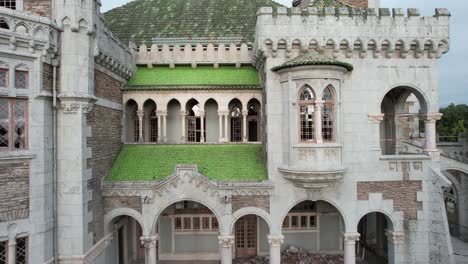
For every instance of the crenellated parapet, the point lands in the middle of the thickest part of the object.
(351, 32)
(190, 53)
(25, 32)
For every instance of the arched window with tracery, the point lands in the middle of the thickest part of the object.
(306, 115)
(153, 124)
(135, 125)
(236, 123)
(328, 116)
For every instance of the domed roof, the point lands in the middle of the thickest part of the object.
(140, 21)
(312, 58)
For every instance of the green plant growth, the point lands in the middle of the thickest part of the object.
(217, 162)
(453, 122)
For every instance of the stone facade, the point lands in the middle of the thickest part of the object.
(114, 202)
(14, 191)
(403, 194)
(259, 201)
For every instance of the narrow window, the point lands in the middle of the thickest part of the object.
(136, 125)
(8, 4)
(253, 123)
(236, 124)
(328, 116)
(214, 223)
(3, 78)
(13, 124)
(187, 223)
(294, 221)
(22, 250)
(21, 79)
(312, 221)
(196, 223)
(303, 221)
(286, 222)
(206, 223)
(153, 126)
(306, 115)
(3, 252)
(177, 223)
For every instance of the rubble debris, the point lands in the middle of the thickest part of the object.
(294, 255)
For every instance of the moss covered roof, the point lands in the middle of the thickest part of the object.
(312, 58)
(140, 21)
(202, 77)
(217, 162)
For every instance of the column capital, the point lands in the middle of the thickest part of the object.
(161, 112)
(149, 242)
(226, 241)
(432, 117)
(223, 112)
(351, 237)
(140, 113)
(183, 113)
(275, 240)
(395, 237)
(376, 118)
(245, 112)
(319, 103)
(201, 112)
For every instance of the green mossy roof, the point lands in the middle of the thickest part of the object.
(312, 58)
(202, 77)
(217, 162)
(140, 21)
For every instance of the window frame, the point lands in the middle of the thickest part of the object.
(26, 249)
(10, 4)
(330, 104)
(11, 124)
(287, 224)
(307, 103)
(179, 225)
(26, 81)
(7, 77)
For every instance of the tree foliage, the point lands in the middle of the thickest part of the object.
(454, 121)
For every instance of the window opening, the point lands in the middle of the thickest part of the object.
(306, 115)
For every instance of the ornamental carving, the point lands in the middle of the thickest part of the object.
(226, 241)
(149, 242)
(352, 237)
(275, 240)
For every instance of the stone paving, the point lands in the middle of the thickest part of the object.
(460, 250)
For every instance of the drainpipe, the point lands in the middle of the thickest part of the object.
(54, 160)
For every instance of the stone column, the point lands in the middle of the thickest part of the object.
(140, 114)
(430, 120)
(375, 120)
(244, 125)
(318, 121)
(11, 251)
(350, 247)
(202, 126)
(226, 127)
(183, 115)
(275, 242)
(150, 248)
(220, 117)
(164, 116)
(395, 246)
(226, 243)
(159, 113)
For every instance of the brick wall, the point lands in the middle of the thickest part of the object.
(356, 3)
(39, 7)
(133, 202)
(259, 201)
(403, 194)
(14, 191)
(105, 143)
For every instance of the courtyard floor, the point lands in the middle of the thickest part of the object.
(460, 250)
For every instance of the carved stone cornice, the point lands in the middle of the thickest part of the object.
(72, 103)
(351, 237)
(275, 240)
(432, 117)
(226, 241)
(376, 118)
(149, 242)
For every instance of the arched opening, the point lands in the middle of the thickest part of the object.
(125, 247)
(235, 116)
(4, 24)
(195, 124)
(211, 121)
(373, 245)
(306, 102)
(250, 239)
(456, 204)
(253, 121)
(403, 108)
(188, 231)
(132, 122)
(313, 228)
(150, 124)
(173, 132)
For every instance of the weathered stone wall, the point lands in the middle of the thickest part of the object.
(105, 144)
(47, 76)
(14, 191)
(356, 3)
(113, 202)
(259, 201)
(403, 194)
(39, 7)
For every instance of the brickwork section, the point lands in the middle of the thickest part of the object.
(39, 7)
(47, 76)
(105, 144)
(403, 194)
(132, 202)
(357, 3)
(107, 87)
(259, 201)
(14, 191)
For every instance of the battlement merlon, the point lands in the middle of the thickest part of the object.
(352, 28)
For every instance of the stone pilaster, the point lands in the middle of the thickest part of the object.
(244, 125)
(430, 120)
(183, 116)
(318, 121)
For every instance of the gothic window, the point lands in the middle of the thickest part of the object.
(153, 119)
(253, 122)
(194, 124)
(8, 4)
(328, 116)
(3, 78)
(236, 124)
(306, 115)
(136, 125)
(21, 79)
(22, 250)
(13, 124)
(3, 252)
